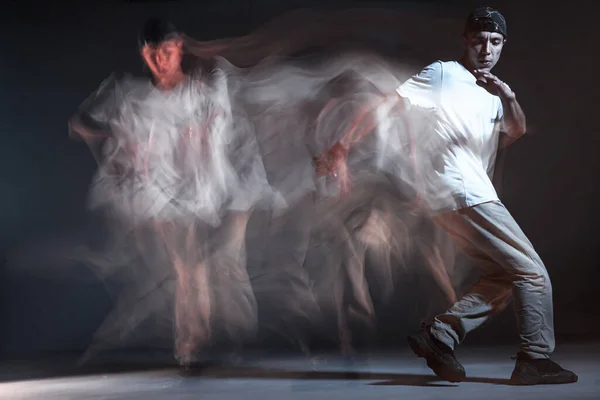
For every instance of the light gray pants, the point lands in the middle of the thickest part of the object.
(511, 269)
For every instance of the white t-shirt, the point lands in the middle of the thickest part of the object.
(459, 139)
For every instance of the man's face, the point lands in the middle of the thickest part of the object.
(163, 59)
(483, 49)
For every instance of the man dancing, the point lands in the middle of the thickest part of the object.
(466, 112)
(167, 174)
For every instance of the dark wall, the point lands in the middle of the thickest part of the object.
(56, 56)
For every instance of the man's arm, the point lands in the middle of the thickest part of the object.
(366, 121)
(514, 121)
(515, 124)
(420, 90)
(81, 130)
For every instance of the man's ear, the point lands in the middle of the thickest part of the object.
(147, 56)
(145, 53)
(464, 40)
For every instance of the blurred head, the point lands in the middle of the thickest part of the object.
(484, 37)
(161, 48)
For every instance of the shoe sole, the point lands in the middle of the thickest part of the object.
(422, 350)
(522, 380)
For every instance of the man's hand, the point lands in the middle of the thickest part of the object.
(328, 162)
(493, 84)
(333, 162)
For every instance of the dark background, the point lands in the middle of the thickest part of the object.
(54, 56)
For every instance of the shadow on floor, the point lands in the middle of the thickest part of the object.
(32, 370)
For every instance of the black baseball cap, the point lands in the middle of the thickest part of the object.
(155, 31)
(486, 19)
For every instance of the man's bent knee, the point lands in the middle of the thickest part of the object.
(533, 277)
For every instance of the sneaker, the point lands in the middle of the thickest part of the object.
(530, 371)
(440, 358)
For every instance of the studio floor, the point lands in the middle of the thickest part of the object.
(394, 374)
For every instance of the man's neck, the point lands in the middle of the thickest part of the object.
(170, 82)
(464, 61)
